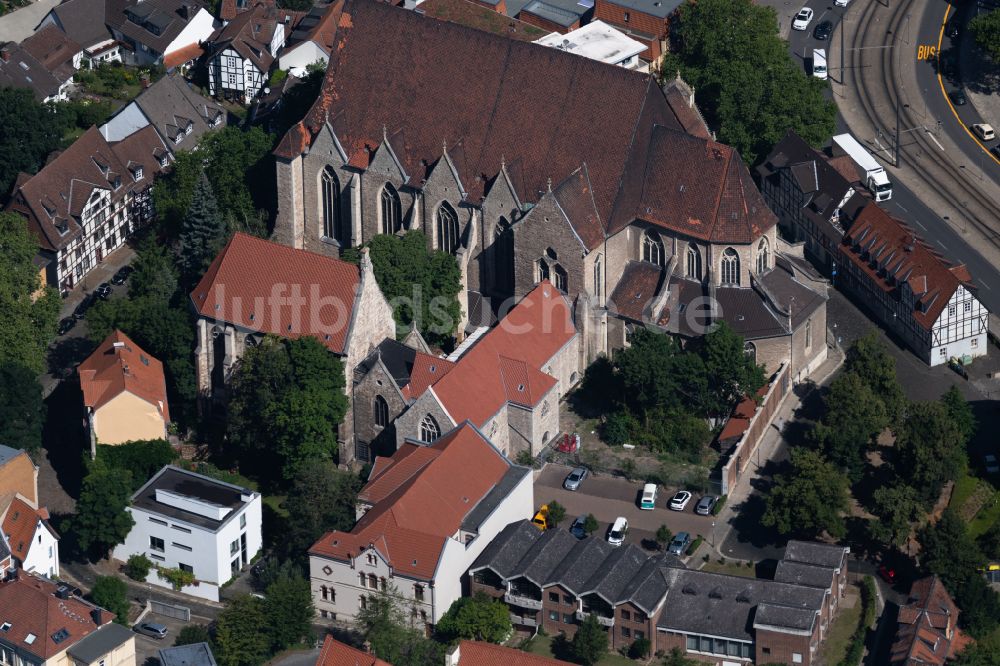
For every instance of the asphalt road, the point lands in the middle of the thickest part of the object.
(21, 23)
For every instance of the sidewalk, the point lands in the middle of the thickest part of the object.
(980, 79)
(771, 444)
(102, 272)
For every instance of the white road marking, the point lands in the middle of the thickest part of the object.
(918, 223)
(942, 245)
(936, 143)
(983, 282)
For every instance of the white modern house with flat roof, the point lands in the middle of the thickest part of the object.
(195, 523)
(599, 41)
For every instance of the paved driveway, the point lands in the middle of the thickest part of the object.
(21, 23)
(146, 647)
(608, 497)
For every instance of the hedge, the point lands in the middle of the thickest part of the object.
(719, 505)
(694, 546)
(856, 650)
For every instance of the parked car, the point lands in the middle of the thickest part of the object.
(841, 3)
(541, 518)
(958, 98)
(823, 30)
(151, 629)
(103, 291)
(680, 544)
(984, 131)
(679, 501)
(81, 310)
(617, 531)
(705, 505)
(575, 478)
(648, 500)
(121, 275)
(990, 463)
(802, 19)
(576, 529)
(996, 151)
(66, 325)
(888, 573)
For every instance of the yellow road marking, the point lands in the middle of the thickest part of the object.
(951, 106)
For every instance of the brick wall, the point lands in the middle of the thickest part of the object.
(546, 24)
(20, 475)
(653, 30)
(744, 452)
(780, 648)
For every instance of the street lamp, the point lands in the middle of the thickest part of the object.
(713, 534)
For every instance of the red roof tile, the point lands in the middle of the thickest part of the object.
(30, 604)
(419, 498)
(636, 290)
(927, 626)
(476, 653)
(899, 256)
(19, 525)
(426, 370)
(335, 653)
(531, 333)
(252, 281)
(119, 365)
(473, 15)
(182, 55)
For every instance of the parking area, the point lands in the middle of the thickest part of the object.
(146, 647)
(609, 497)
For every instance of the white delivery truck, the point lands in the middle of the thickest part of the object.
(819, 63)
(875, 177)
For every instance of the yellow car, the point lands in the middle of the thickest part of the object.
(541, 518)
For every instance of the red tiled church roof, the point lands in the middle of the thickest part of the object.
(118, 365)
(250, 281)
(419, 497)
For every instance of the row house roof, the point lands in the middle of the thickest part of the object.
(55, 197)
(420, 497)
(927, 630)
(696, 602)
(155, 23)
(82, 21)
(171, 106)
(891, 254)
(19, 68)
(540, 113)
(241, 284)
(117, 366)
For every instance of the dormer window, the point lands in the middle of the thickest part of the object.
(179, 137)
(162, 160)
(137, 173)
(117, 182)
(189, 128)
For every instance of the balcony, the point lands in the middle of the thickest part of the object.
(524, 602)
(603, 620)
(523, 620)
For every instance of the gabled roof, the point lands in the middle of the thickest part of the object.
(317, 26)
(42, 624)
(170, 103)
(477, 653)
(141, 150)
(117, 366)
(636, 290)
(249, 269)
(335, 653)
(169, 17)
(250, 33)
(890, 253)
(82, 21)
(20, 521)
(54, 49)
(927, 626)
(22, 70)
(575, 197)
(505, 365)
(475, 15)
(419, 498)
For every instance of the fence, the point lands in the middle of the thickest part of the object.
(170, 610)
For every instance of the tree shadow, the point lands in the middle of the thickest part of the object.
(64, 435)
(562, 648)
(747, 524)
(66, 354)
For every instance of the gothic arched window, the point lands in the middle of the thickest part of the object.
(597, 278)
(381, 411)
(391, 209)
(730, 267)
(542, 270)
(503, 256)
(562, 280)
(652, 248)
(693, 263)
(330, 194)
(429, 429)
(763, 256)
(447, 228)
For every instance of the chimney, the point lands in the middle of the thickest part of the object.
(97, 616)
(185, 12)
(5, 54)
(118, 344)
(452, 656)
(62, 592)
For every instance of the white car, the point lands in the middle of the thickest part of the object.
(680, 500)
(841, 3)
(984, 131)
(802, 19)
(617, 531)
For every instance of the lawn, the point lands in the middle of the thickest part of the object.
(730, 568)
(977, 502)
(837, 641)
(542, 645)
(963, 490)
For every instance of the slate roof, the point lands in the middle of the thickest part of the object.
(82, 21)
(318, 26)
(803, 574)
(169, 16)
(890, 253)
(54, 49)
(475, 15)
(636, 291)
(117, 366)
(819, 554)
(30, 604)
(248, 269)
(791, 296)
(22, 70)
(170, 105)
(545, 111)
(420, 497)
(505, 365)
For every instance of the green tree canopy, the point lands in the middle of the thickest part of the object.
(29, 312)
(141, 458)
(676, 657)
(897, 508)
(750, 91)
(556, 514)
(203, 232)
(477, 618)
(111, 593)
(30, 132)
(590, 642)
(421, 285)
(851, 423)
(22, 409)
(960, 411)
(985, 28)
(289, 609)
(870, 360)
(241, 633)
(730, 373)
(382, 622)
(101, 520)
(320, 498)
(808, 499)
(930, 450)
(286, 401)
(192, 633)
